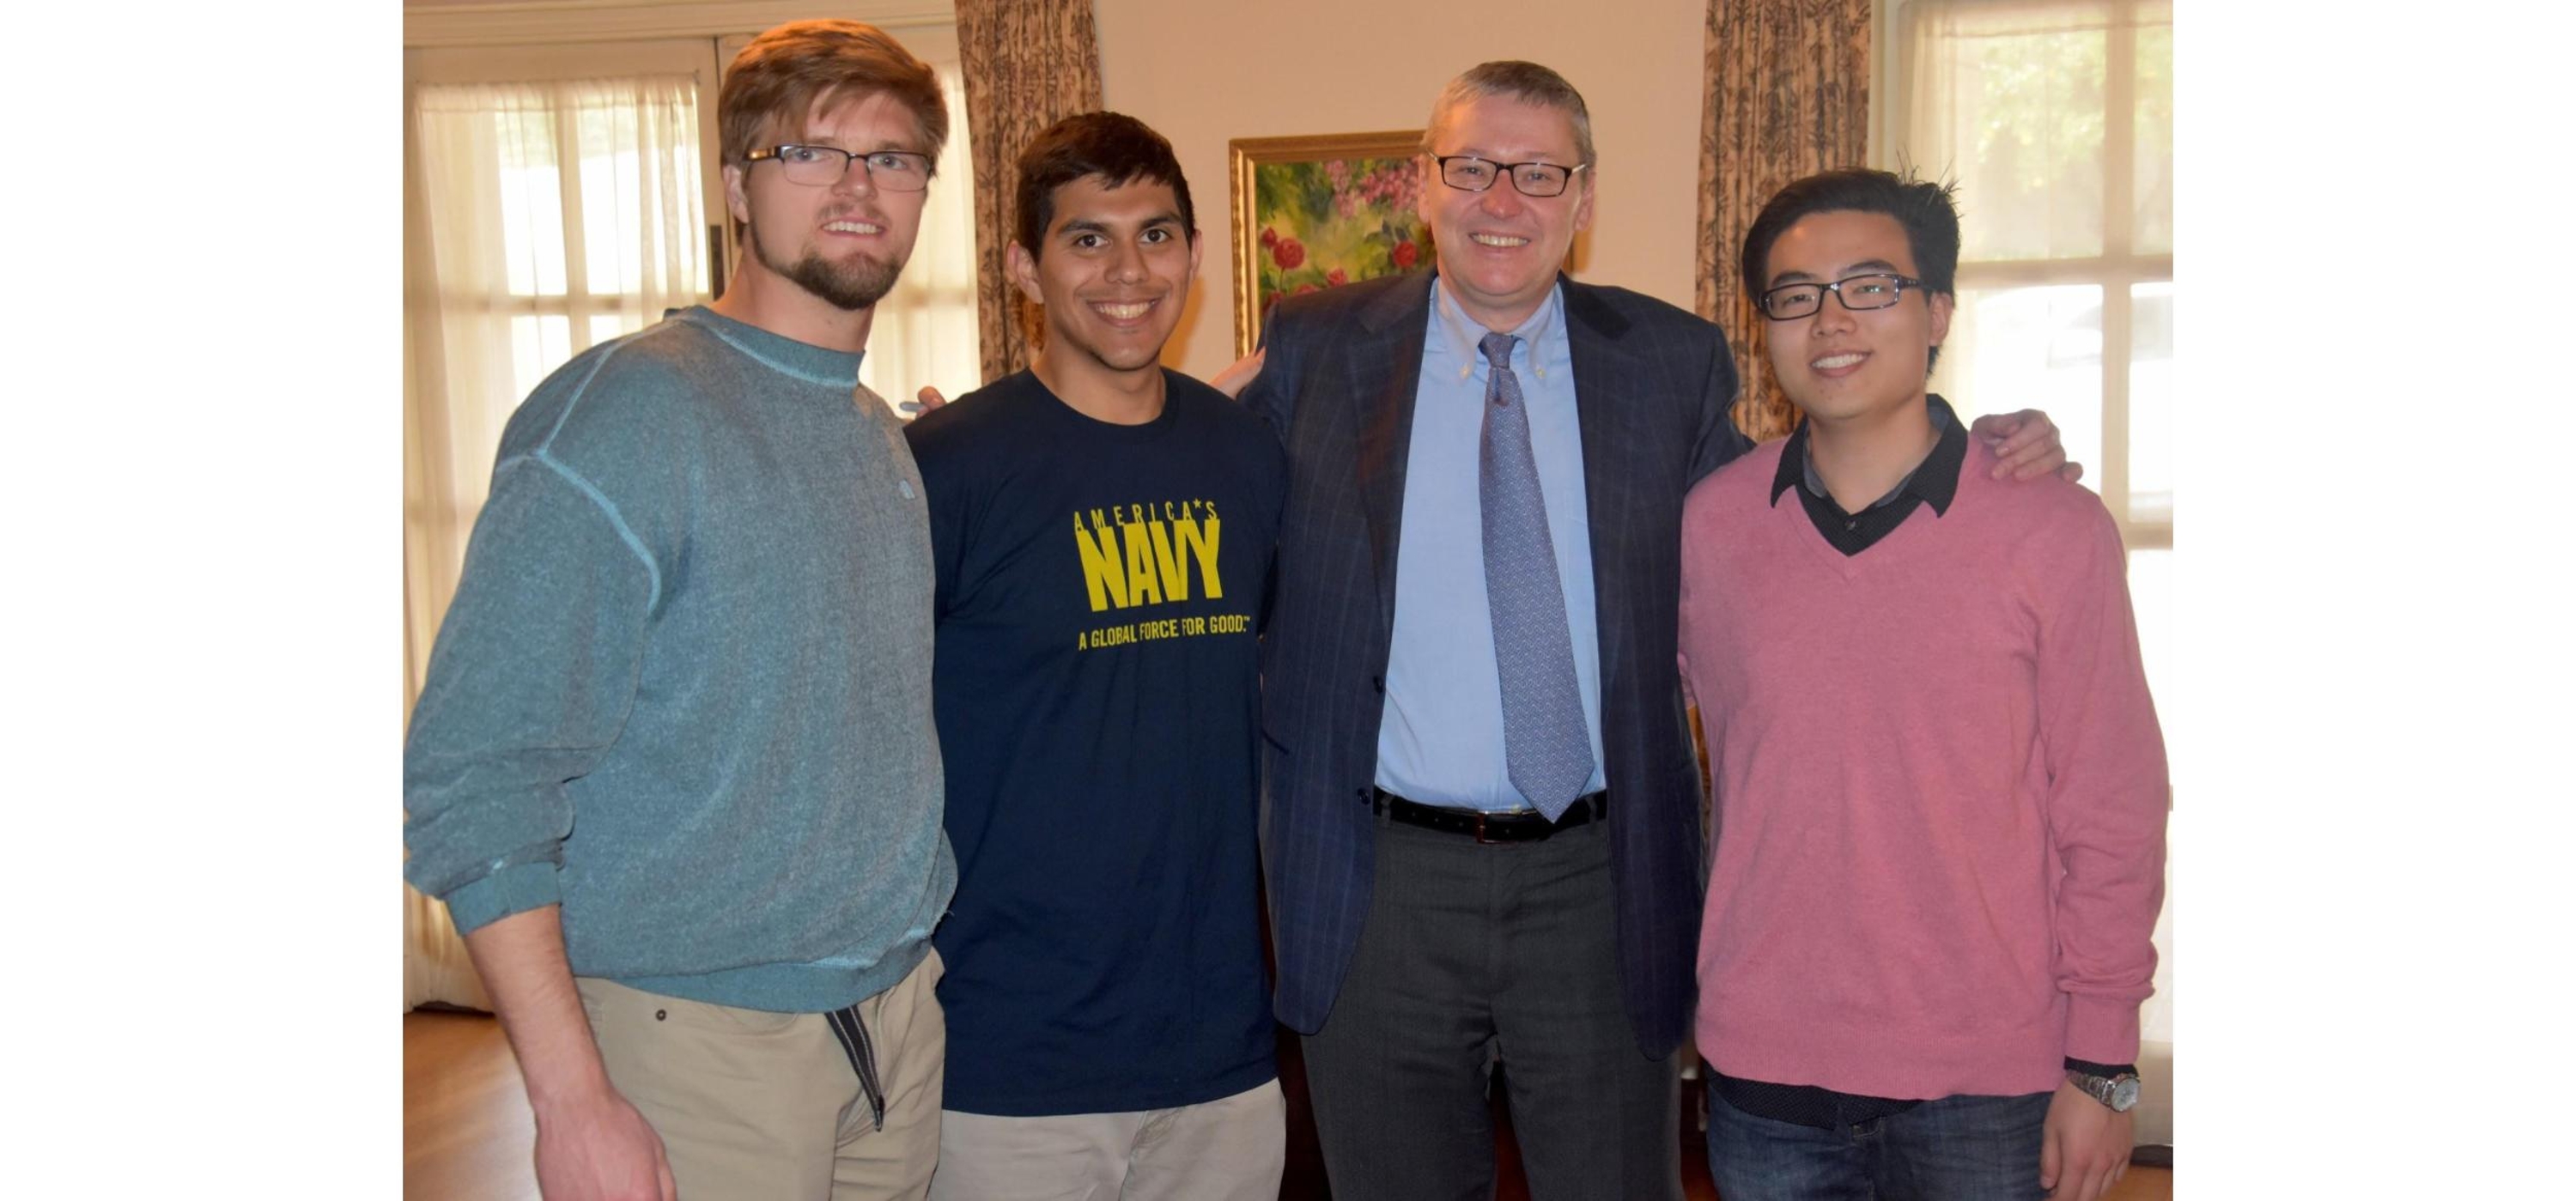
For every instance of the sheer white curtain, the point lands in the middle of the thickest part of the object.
(925, 330)
(541, 219)
(2055, 118)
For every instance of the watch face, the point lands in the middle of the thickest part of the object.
(2117, 1092)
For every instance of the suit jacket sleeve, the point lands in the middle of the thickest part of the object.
(1271, 393)
(1720, 440)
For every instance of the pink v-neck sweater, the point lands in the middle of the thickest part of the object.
(1940, 789)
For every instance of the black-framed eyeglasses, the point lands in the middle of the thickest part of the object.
(1468, 173)
(1859, 293)
(823, 166)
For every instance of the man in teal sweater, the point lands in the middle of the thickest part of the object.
(674, 770)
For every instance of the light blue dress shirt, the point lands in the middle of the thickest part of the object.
(1441, 740)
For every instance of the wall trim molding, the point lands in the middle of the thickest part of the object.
(530, 22)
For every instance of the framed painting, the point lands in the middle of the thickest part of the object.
(1319, 212)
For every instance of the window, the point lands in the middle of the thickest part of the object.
(555, 197)
(562, 214)
(927, 330)
(2056, 121)
(2055, 118)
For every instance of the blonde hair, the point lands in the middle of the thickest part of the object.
(1526, 82)
(786, 73)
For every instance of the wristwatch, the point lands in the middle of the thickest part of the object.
(2119, 1092)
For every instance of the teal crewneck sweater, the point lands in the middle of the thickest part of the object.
(684, 687)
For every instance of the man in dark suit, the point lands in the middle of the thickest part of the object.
(1483, 841)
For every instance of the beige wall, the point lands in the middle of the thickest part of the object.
(1204, 72)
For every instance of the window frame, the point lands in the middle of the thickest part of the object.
(694, 57)
(2117, 270)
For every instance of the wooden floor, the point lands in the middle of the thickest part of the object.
(466, 1128)
(467, 1134)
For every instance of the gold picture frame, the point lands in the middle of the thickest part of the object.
(1319, 211)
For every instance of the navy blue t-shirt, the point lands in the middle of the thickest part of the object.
(1100, 589)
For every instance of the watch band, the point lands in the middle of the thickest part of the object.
(2119, 1093)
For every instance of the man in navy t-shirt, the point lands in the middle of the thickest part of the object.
(1102, 532)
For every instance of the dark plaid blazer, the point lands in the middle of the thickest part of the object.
(1652, 389)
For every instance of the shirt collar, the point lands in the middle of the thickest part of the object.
(1462, 338)
(1935, 480)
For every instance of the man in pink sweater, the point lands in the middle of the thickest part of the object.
(1940, 785)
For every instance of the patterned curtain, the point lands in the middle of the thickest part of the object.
(1788, 95)
(1028, 64)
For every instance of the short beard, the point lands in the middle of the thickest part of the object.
(860, 285)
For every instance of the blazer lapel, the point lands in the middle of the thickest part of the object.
(1604, 367)
(1385, 371)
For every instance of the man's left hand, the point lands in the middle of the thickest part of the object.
(2084, 1146)
(2026, 445)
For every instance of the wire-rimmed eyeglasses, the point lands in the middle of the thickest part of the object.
(822, 166)
(1858, 293)
(1468, 173)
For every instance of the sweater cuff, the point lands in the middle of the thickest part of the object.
(2101, 1030)
(513, 889)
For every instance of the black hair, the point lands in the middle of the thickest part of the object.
(1114, 146)
(1928, 212)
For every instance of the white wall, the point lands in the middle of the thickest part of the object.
(1204, 72)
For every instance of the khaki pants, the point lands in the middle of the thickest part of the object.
(761, 1105)
(1229, 1149)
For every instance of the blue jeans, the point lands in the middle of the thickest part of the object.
(1953, 1149)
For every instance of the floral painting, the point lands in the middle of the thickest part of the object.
(1319, 212)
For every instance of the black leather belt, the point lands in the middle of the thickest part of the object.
(1491, 827)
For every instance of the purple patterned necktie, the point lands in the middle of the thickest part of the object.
(1546, 746)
